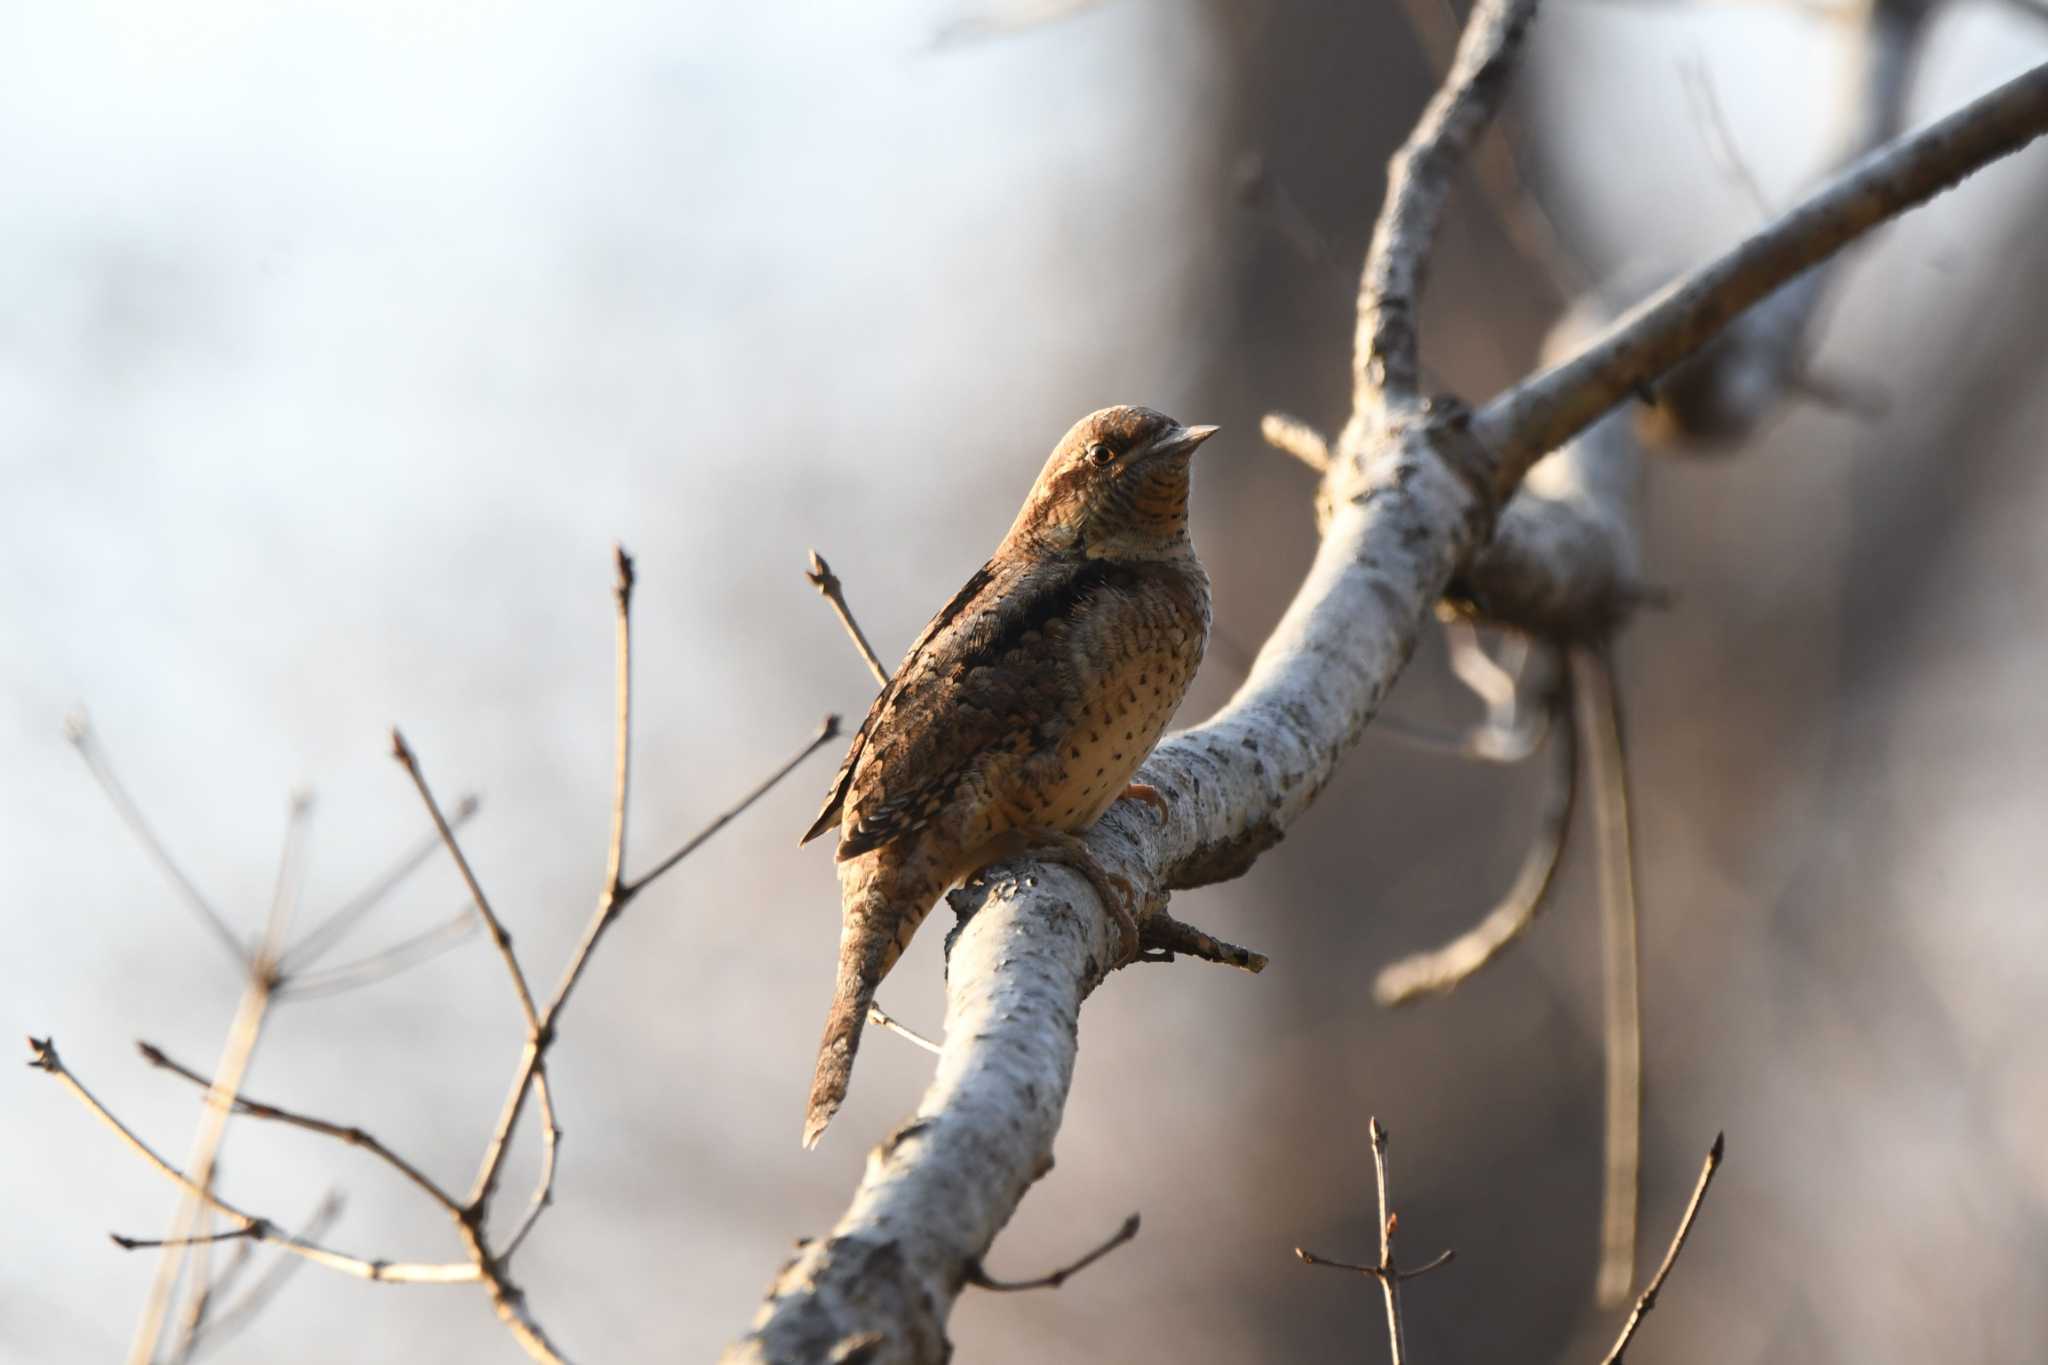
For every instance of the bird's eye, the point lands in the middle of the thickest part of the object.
(1100, 454)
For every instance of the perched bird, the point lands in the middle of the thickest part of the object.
(1024, 708)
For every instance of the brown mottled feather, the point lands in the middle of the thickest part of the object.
(835, 799)
(1024, 707)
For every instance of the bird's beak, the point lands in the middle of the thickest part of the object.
(1182, 440)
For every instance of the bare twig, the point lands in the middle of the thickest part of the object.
(821, 577)
(43, 1057)
(1389, 1275)
(544, 1185)
(881, 1018)
(1297, 438)
(1597, 708)
(622, 728)
(485, 1264)
(383, 964)
(828, 730)
(80, 732)
(341, 920)
(199, 1239)
(222, 1325)
(402, 751)
(1692, 1211)
(977, 1276)
(348, 1133)
(237, 1054)
(1441, 970)
(1720, 138)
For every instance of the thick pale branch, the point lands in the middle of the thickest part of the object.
(1419, 180)
(1543, 412)
(1406, 508)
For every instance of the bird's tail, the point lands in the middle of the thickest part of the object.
(850, 1000)
(883, 903)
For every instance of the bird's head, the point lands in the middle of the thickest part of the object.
(1115, 487)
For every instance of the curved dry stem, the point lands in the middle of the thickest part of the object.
(1442, 970)
(1598, 709)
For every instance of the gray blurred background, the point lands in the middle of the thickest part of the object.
(339, 341)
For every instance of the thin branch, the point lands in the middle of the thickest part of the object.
(1543, 412)
(978, 1277)
(80, 732)
(828, 730)
(1390, 1276)
(348, 1133)
(221, 1326)
(1388, 366)
(343, 919)
(238, 1052)
(1390, 1281)
(1692, 1211)
(1720, 138)
(402, 751)
(881, 1018)
(385, 963)
(821, 577)
(284, 896)
(550, 1152)
(1442, 970)
(238, 1234)
(44, 1058)
(622, 729)
(1597, 708)
(1295, 437)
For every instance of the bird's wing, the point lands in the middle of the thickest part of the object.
(987, 680)
(835, 798)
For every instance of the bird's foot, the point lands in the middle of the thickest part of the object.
(1119, 897)
(1150, 795)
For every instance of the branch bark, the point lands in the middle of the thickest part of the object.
(1409, 500)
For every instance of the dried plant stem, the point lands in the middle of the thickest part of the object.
(81, 735)
(1442, 970)
(1598, 711)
